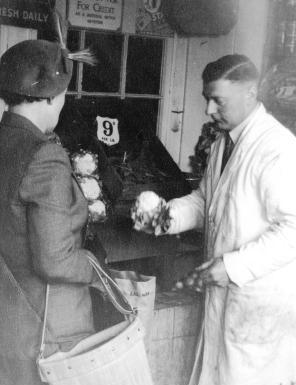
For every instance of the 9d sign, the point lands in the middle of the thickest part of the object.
(107, 130)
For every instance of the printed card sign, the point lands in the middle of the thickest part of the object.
(24, 13)
(99, 14)
(107, 131)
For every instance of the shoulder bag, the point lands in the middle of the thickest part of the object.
(114, 356)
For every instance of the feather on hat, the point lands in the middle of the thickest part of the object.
(41, 68)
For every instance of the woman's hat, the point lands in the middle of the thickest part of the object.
(36, 68)
(41, 68)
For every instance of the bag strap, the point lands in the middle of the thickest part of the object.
(109, 285)
(42, 345)
(113, 291)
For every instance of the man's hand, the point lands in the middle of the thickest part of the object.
(212, 272)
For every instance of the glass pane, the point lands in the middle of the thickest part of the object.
(144, 65)
(105, 76)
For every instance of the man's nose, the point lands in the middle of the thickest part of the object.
(211, 107)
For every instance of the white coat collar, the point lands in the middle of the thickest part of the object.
(246, 137)
(236, 131)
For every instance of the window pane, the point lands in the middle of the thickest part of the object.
(144, 65)
(105, 76)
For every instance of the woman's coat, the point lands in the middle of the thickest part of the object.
(248, 336)
(43, 212)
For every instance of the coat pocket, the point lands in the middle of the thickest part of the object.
(255, 316)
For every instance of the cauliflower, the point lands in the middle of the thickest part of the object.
(150, 213)
(148, 202)
(97, 210)
(90, 187)
(84, 163)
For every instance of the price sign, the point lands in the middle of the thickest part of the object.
(100, 14)
(107, 131)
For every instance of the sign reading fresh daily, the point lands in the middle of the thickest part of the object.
(24, 13)
(99, 14)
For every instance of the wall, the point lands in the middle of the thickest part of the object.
(8, 37)
(248, 37)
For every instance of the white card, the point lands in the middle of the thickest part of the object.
(107, 131)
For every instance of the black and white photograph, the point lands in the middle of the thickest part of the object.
(148, 192)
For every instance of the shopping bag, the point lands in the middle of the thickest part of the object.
(139, 290)
(114, 356)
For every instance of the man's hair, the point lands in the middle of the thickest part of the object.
(12, 99)
(236, 68)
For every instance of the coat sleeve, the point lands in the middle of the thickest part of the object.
(276, 246)
(187, 212)
(46, 191)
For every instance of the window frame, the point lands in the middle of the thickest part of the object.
(121, 94)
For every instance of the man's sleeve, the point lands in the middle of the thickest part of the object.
(47, 191)
(187, 212)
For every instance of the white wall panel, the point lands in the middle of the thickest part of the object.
(8, 37)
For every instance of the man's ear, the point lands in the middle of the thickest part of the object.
(252, 91)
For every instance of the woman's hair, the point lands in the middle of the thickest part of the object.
(12, 99)
(236, 68)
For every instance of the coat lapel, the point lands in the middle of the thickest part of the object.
(222, 182)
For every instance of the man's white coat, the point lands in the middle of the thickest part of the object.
(248, 335)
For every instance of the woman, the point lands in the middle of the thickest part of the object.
(43, 216)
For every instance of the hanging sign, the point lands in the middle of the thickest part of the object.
(150, 19)
(99, 14)
(107, 131)
(24, 13)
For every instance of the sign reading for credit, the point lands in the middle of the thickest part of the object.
(107, 131)
(99, 14)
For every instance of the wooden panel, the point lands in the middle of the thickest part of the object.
(11, 35)
(174, 332)
(8, 37)
(171, 127)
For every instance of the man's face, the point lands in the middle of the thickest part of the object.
(229, 103)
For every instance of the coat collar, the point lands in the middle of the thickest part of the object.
(246, 138)
(20, 122)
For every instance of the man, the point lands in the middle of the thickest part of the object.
(43, 216)
(248, 211)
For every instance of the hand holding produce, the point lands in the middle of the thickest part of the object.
(192, 281)
(150, 213)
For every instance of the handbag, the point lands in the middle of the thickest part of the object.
(114, 356)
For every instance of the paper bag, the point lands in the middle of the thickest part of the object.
(139, 290)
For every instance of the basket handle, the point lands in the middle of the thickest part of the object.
(113, 292)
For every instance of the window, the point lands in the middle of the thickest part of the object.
(125, 84)
(128, 66)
